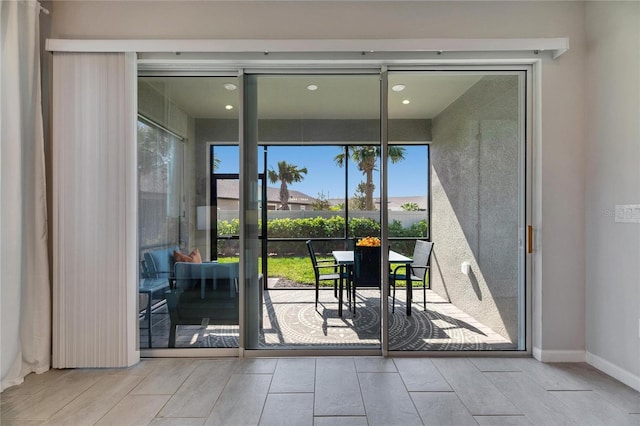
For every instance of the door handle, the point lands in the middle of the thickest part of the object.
(529, 239)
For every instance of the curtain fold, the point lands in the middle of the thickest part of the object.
(25, 292)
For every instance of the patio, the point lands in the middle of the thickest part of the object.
(290, 320)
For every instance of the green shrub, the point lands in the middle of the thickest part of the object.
(319, 228)
(363, 227)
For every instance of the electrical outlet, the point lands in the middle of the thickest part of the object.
(627, 213)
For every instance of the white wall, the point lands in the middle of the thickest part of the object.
(613, 177)
(562, 261)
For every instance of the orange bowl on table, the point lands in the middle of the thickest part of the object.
(369, 242)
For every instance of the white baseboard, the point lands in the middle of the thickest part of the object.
(558, 356)
(614, 371)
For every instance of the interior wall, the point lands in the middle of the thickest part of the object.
(560, 254)
(475, 203)
(613, 177)
(158, 107)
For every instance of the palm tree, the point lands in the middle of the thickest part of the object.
(366, 158)
(286, 174)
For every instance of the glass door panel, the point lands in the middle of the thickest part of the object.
(188, 151)
(309, 132)
(473, 201)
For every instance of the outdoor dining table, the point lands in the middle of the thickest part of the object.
(344, 258)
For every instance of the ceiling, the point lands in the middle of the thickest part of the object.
(337, 96)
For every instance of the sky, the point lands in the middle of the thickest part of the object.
(406, 178)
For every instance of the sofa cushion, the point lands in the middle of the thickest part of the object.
(179, 257)
(193, 257)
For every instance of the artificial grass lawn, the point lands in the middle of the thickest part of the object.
(298, 269)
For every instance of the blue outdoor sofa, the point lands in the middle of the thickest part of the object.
(196, 293)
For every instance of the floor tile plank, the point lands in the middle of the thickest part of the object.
(56, 394)
(495, 364)
(549, 375)
(134, 410)
(294, 375)
(256, 366)
(284, 409)
(476, 392)
(145, 367)
(386, 400)
(337, 392)
(176, 421)
(502, 420)
(201, 389)
(34, 383)
(537, 404)
(96, 401)
(375, 365)
(591, 409)
(241, 401)
(166, 377)
(9, 403)
(442, 408)
(16, 422)
(421, 375)
(340, 421)
(609, 388)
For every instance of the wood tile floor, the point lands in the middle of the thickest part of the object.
(324, 391)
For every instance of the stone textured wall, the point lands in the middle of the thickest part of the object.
(475, 207)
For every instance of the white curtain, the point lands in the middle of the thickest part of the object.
(25, 330)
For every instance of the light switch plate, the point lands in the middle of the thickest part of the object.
(627, 213)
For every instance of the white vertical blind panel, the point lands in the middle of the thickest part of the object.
(95, 212)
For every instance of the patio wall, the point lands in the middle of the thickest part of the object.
(474, 160)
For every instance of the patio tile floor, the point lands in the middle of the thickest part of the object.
(291, 320)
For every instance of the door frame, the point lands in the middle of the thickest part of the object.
(532, 272)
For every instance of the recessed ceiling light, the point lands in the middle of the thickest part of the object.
(406, 102)
(312, 87)
(230, 86)
(228, 106)
(398, 87)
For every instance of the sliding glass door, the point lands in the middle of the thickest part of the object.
(274, 178)
(317, 139)
(472, 296)
(188, 203)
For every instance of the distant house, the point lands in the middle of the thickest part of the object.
(395, 203)
(228, 197)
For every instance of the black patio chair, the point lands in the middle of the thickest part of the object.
(325, 270)
(418, 270)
